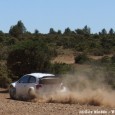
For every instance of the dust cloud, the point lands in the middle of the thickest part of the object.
(83, 89)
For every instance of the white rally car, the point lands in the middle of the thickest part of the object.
(35, 84)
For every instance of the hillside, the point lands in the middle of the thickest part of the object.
(25, 52)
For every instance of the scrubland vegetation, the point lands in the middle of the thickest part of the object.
(24, 52)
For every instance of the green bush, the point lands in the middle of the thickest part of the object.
(4, 78)
(96, 52)
(105, 59)
(29, 56)
(4, 81)
(113, 59)
(60, 68)
(81, 58)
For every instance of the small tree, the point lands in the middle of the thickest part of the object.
(17, 30)
(59, 32)
(111, 31)
(52, 31)
(104, 32)
(86, 30)
(36, 32)
(67, 31)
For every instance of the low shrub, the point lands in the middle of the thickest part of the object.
(4, 79)
(105, 59)
(113, 59)
(60, 68)
(81, 58)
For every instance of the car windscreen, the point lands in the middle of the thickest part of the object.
(49, 81)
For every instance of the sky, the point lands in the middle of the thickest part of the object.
(58, 14)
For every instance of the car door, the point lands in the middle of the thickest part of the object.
(31, 84)
(21, 85)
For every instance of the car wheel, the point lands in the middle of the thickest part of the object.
(31, 93)
(12, 92)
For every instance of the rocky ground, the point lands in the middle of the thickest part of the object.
(15, 107)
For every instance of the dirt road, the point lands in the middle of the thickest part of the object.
(14, 107)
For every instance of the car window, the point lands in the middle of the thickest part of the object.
(49, 81)
(32, 79)
(24, 79)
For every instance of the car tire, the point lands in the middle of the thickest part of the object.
(31, 93)
(12, 92)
